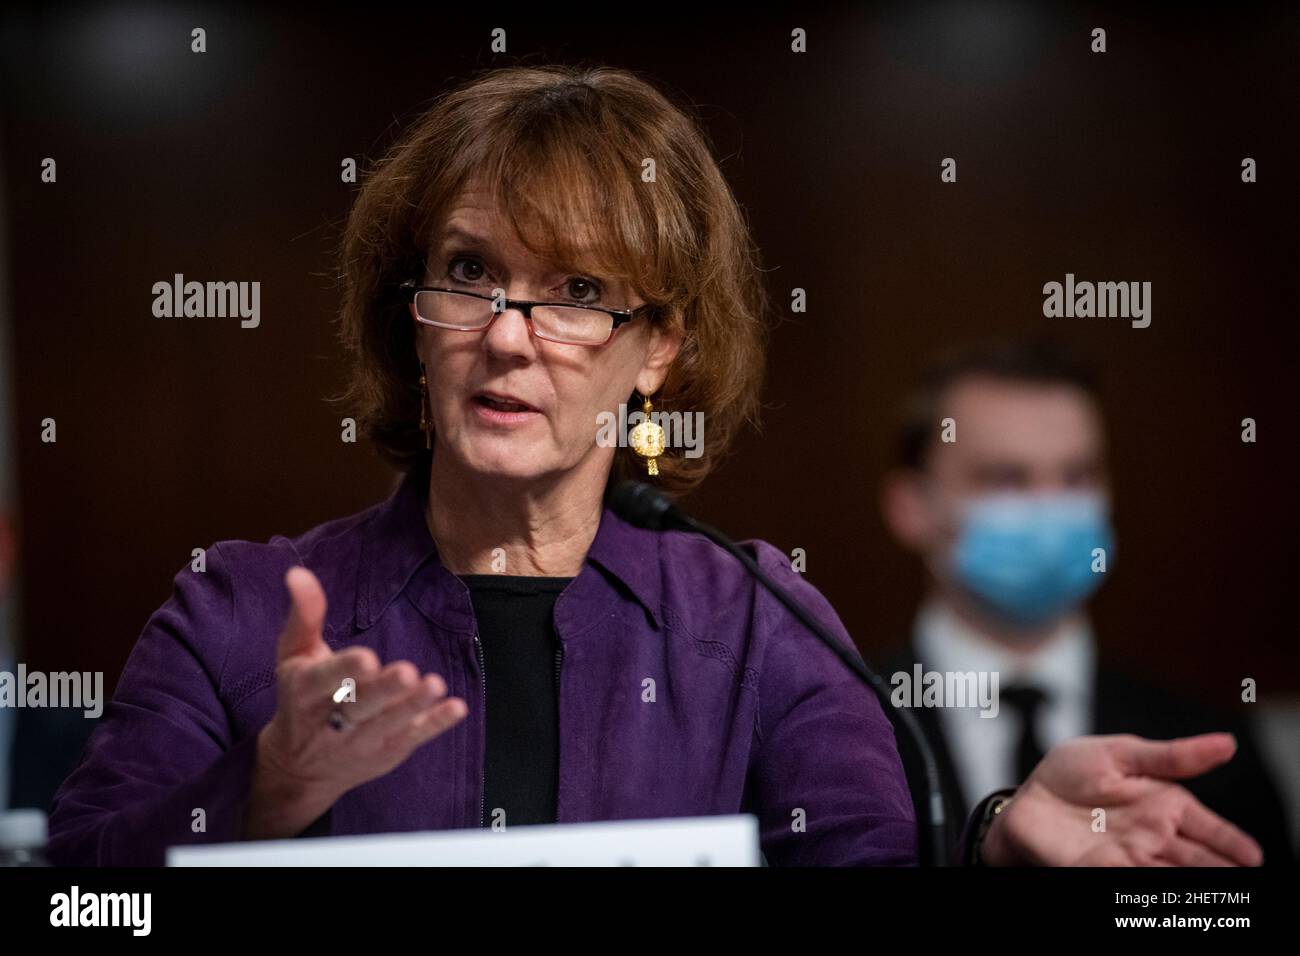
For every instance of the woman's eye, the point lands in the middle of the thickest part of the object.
(472, 272)
(582, 290)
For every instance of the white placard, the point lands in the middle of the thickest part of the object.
(680, 841)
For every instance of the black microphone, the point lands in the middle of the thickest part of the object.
(647, 507)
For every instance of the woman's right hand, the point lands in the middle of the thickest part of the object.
(303, 763)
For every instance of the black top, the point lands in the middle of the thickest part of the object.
(521, 660)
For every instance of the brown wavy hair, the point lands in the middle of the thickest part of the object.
(561, 150)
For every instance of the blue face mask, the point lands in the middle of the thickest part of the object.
(1030, 558)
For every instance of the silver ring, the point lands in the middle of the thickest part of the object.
(338, 721)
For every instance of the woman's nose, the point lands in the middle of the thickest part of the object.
(508, 334)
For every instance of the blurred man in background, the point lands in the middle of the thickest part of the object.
(1002, 490)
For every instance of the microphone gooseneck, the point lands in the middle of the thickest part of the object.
(647, 507)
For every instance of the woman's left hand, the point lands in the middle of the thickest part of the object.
(1109, 801)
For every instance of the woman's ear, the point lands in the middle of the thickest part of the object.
(661, 351)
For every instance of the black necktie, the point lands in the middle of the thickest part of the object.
(1026, 701)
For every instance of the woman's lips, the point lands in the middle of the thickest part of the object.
(502, 409)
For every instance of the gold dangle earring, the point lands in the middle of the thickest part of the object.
(426, 410)
(647, 439)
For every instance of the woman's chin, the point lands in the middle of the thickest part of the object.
(508, 464)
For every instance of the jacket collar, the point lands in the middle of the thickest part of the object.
(398, 554)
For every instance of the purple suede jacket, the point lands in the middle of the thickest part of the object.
(751, 712)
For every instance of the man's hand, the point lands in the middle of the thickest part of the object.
(1149, 821)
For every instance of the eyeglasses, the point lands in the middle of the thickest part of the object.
(553, 321)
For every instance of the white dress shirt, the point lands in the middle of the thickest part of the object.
(983, 749)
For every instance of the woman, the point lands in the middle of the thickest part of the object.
(676, 689)
(543, 246)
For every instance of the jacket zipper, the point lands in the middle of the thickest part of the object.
(559, 658)
(482, 684)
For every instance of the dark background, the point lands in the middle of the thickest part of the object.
(174, 433)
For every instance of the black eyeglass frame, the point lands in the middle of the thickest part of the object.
(620, 316)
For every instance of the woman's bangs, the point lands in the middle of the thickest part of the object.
(565, 207)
